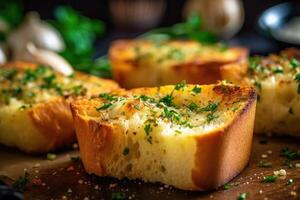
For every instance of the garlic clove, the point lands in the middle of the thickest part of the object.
(46, 57)
(34, 30)
(3, 57)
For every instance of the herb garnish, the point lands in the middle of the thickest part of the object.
(264, 164)
(180, 85)
(147, 129)
(290, 154)
(196, 89)
(243, 196)
(21, 182)
(104, 106)
(290, 182)
(117, 195)
(193, 106)
(294, 63)
(269, 179)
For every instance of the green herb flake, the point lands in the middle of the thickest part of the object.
(104, 107)
(147, 129)
(21, 182)
(177, 132)
(167, 100)
(171, 115)
(290, 153)
(181, 85)
(197, 90)
(210, 117)
(211, 107)
(108, 97)
(294, 63)
(269, 179)
(51, 156)
(290, 182)
(125, 151)
(278, 70)
(243, 196)
(193, 106)
(227, 186)
(117, 195)
(264, 164)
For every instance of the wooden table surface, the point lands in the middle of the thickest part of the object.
(66, 179)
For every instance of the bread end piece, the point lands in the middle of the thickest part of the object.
(202, 161)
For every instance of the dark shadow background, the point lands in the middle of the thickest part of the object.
(248, 35)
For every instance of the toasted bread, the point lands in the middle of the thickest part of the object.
(277, 81)
(190, 136)
(144, 63)
(35, 105)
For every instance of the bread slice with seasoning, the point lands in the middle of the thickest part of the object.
(277, 82)
(35, 101)
(189, 136)
(146, 63)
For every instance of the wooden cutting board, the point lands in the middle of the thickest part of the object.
(66, 179)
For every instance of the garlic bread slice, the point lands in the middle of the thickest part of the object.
(145, 63)
(277, 82)
(35, 105)
(190, 136)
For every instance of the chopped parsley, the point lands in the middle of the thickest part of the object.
(227, 186)
(210, 117)
(278, 70)
(264, 164)
(51, 156)
(104, 107)
(290, 154)
(108, 97)
(211, 107)
(243, 196)
(21, 182)
(294, 63)
(175, 54)
(146, 98)
(172, 115)
(117, 195)
(197, 90)
(147, 129)
(167, 100)
(125, 151)
(269, 179)
(193, 106)
(181, 85)
(290, 182)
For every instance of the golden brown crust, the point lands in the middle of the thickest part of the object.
(220, 154)
(219, 158)
(204, 69)
(54, 120)
(50, 122)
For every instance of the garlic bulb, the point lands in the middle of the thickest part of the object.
(46, 57)
(3, 57)
(34, 30)
(223, 17)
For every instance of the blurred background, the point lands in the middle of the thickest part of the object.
(78, 30)
(169, 13)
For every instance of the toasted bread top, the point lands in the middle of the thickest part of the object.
(283, 68)
(29, 84)
(173, 52)
(180, 109)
